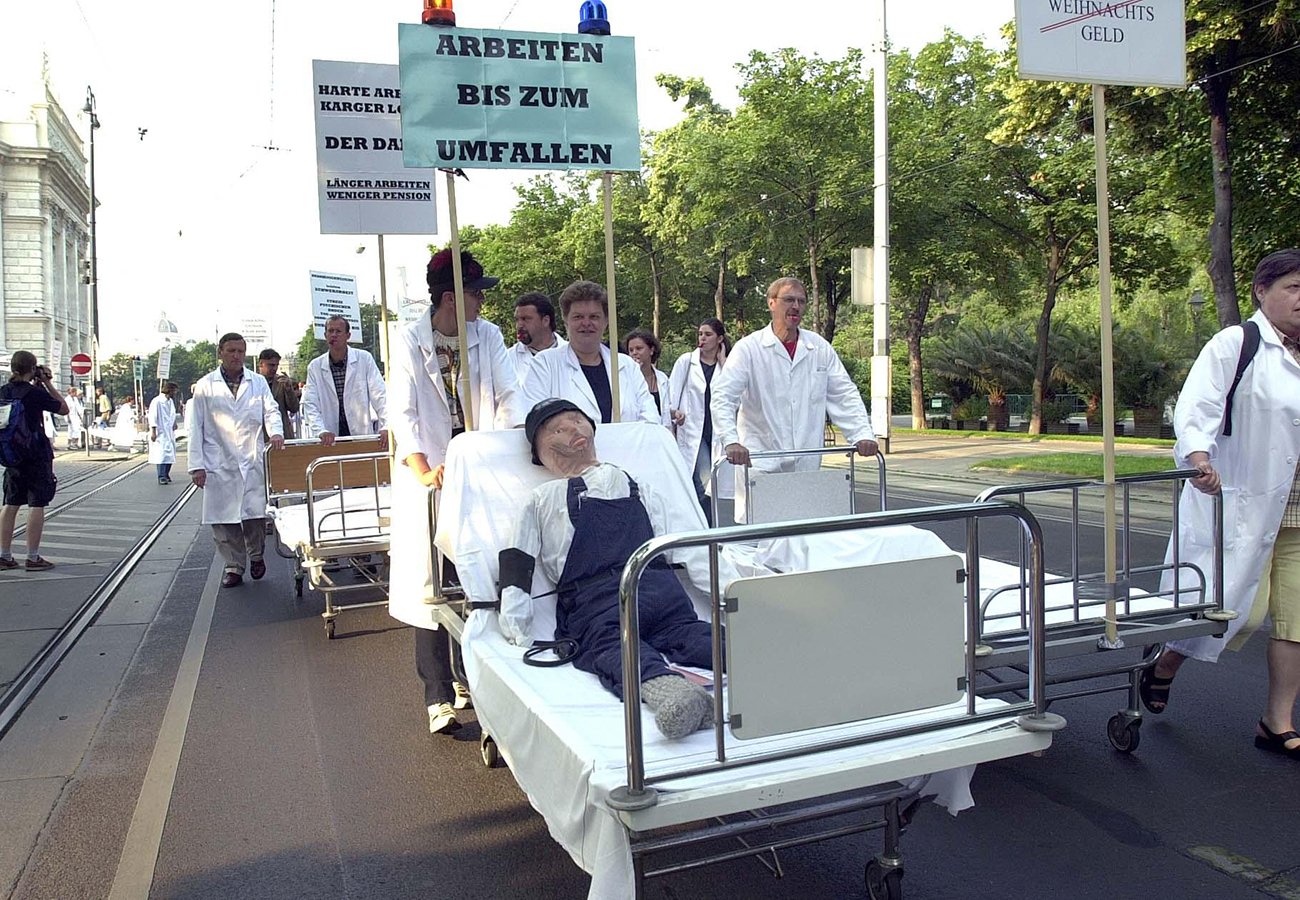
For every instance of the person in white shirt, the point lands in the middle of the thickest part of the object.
(779, 385)
(76, 420)
(534, 331)
(645, 349)
(690, 389)
(162, 428)
(581, 371)
(345, 393)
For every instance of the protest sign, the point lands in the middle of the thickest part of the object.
(335, 295)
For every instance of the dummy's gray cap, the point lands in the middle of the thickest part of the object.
(544, 410)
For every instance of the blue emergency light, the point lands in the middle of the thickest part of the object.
(593, 18)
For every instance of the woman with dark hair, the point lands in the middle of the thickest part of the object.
(1246, 449)
(645, 348)
(690, 391)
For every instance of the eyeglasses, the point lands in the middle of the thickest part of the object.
(790, 300)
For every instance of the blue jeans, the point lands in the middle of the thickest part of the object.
(164, 471)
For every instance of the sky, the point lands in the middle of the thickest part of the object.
(211, 215)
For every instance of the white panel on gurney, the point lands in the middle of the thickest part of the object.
(788, 496)
(809, 649)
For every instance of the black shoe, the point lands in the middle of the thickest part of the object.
(1277, 743)
(231, 579)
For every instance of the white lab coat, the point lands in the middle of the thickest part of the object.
(665, 403)
(686, 394)
(364, 396)
(557, 373)
(124, 431)
(420, 422)
(1257, 465)
(76, 421)
(226, 442)
(765, 400)
(162, 416)
(522, 357)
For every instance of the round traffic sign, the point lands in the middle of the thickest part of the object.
(81, 364)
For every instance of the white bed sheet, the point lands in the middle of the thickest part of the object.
(366, 522)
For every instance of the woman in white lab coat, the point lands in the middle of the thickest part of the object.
(1255, 468)
(689, 388)
(423, 418)
(645, 349)
(162, 428)
(124, 430)
(580, 372)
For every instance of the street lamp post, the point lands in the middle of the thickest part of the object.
(93, 277)
(1197, 303)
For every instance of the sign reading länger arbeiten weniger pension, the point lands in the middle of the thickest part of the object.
(1132, 42)
(474, 98)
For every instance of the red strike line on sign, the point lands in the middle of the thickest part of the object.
(1092, 15)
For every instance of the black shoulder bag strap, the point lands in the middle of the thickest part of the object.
(1249, 347)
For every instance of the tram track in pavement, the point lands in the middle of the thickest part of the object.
(18, 693)
(77, 479)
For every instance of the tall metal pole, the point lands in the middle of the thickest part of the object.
(881, 368)
(93, 317)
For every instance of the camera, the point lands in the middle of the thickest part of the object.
(44, 373)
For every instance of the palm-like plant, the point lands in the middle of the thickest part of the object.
(996, 359)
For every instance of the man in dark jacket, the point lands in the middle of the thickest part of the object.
(31, 483)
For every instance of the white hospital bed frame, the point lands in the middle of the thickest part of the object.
(347, 519)
(1079, 632)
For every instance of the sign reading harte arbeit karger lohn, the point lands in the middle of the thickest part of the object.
(364, 186)
(518, 100)
(1130, 42)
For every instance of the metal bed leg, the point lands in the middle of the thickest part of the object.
(884, 875)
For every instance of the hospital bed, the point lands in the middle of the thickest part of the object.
(899, 725)
(331, 507)
(1080, 661)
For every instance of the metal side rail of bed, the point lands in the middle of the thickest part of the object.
(785, 496)
(1080, 662)
(332, 510)
(792, 765)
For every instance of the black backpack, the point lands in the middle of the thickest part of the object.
(17, 441)
(1249, 347)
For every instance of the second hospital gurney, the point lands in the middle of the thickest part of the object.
(615, 796)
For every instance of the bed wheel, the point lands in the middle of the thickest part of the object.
(882, 884)
(329, 629)
(487, 748)
(1125, 734)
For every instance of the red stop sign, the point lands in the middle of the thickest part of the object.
(81, 364)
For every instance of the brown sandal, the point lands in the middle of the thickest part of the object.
(1276, 743)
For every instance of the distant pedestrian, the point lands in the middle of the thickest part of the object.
(1253, 465)
(76, 419)
(345, 393)
(228, 412)
(162, 428)
(30, 480)
(283, 389)
(104, 406)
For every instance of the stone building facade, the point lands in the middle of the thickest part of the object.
(44, 233)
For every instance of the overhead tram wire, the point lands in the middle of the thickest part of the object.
(270, 144)
(928, 172)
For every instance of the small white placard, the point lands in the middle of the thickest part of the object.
(1130, 42)
(335, 295)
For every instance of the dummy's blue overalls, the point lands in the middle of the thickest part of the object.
(605, 533)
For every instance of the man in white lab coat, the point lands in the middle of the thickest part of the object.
(778, 387)
(534, 331)
(162, 428)
(228, 411)
(580, 372)
(76, 419)
(431, 387)
(345, 393)
(1255, 468)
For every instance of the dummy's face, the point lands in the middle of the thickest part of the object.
(585, 323)
(640, 351)
(1280, 301)
(566, 437)
(529, 325)
(232, 355)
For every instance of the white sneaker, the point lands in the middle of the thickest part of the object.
(463, 699)
(442, 719)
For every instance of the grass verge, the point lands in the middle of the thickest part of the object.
(1032, 438)
(1077, 465)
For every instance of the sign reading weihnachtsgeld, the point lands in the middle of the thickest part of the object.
(1131, 42)
(365, 188)
(335, 295)
(474, 98)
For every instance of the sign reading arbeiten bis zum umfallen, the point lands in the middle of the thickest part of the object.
(474, 98)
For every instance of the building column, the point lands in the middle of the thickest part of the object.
(3, 306)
